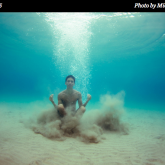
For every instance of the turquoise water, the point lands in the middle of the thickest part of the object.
(106, 52)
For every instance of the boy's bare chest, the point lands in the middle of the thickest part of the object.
(70, 98)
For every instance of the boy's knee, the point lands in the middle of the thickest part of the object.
(61, 110)
(83, 109)
(60, 106)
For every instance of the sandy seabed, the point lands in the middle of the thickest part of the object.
(144, 144)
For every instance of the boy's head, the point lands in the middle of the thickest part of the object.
(70, 76)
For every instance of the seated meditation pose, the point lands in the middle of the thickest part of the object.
(67, 99)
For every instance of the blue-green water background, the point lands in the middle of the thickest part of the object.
(106, 52)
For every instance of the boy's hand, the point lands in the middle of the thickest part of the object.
(88, 97)
(51, 98)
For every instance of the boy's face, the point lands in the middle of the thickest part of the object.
(69, 82)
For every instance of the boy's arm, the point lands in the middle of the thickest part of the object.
(51, 99)
(59, 99)
(88, 98)
(80, 100)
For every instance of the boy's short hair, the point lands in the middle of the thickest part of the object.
(69, 77)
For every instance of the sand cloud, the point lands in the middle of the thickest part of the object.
(89, 128)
